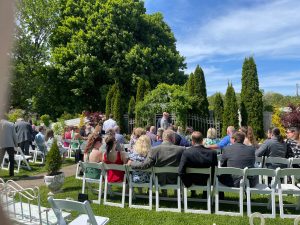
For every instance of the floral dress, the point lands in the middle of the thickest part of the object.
(139, 176)
(293, 148)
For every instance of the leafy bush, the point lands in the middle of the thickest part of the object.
(58, 127)
(45, 119)
(14, 114)
(276, 120)
(53, 160)
(292, 117)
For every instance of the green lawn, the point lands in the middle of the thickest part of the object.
(35, 169)
(127, 215)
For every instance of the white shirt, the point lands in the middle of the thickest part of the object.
(108, 124)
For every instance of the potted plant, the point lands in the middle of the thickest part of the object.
(54, 179)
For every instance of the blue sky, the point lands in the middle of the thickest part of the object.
(219, 34)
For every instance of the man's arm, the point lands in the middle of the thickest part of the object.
(182, 165)
(149, 161)
(14, 135)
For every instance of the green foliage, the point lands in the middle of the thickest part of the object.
(230, 115)
(14, 114)
(109, 97)
(276, 120)
(53, 160)
(169, 98)
(58, 127)
(45, 119)
(117, 107)
(131, 107)
(190, 84)
(251, 98)
(143, 89)
(218, 108)
(273, 99)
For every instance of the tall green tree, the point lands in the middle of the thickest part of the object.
(190, 84)
(251, 98)
(35, 20)
(230, 115)
(142, 89)
(117, 111)
(218, 108)
(131, 107)
(97, 42)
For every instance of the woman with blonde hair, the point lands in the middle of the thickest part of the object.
(139, 154)
(250, 139)
(211, 137)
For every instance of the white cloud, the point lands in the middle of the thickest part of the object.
(270, 29)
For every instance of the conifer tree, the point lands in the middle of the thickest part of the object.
(190, 84)
(230, 115)
(251, 98)
(218, 109)
(131, 107)
(200, 93)
(140, 91)
(117, 107)
(108, 102)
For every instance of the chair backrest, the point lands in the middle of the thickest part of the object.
(114, 167)
(278, 160)
(230, 170)
(199, 170)
(260, 171)
(287, 172)
(94, 165)
(295, 161)
(166, 169)
(64, 204)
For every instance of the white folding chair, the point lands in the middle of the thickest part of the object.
(278, 160)
(19, 157)
(132, 185)
(206, 188)
(85, 179)
(106, 168)
(87, 216)
(74, 146)
(295, 162)
(219, 157)
(177, 186)
(261, 188)
(219, 187)
(284, 188)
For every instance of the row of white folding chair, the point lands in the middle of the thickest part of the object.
(277, 187)
(153, 174)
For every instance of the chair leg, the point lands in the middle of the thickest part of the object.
(185, 193)
(105, 189)
(248, 202)
(281, 212)
(208, 200)
(156, 194)
(150, 197)
(179, 199)
(241, 201)
(123, 192)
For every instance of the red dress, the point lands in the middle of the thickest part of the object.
(67, 135)
(114, 176)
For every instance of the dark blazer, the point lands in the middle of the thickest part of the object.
(197, 157)
(24, 131)
(8, 136)
(166, 154)
(239, 156)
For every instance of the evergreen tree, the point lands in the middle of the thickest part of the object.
(218, 108)
(131, 107)
(251, 98)
(200, 93)
(108, 102)
(140, 91)
(230, 115)
(117, 107)
(190, 85)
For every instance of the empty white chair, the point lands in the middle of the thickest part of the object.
(261, 188)
(132, 185)
(284, 188)
(19, 157)
(87, 216)
(219, 187)
(106, 168)
(85, 179)
(176, 186)
(206, 188)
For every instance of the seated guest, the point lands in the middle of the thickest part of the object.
(177, 136)
(49, 138)
(240, 156)
(40, 140)
(139, 154)
(250, 139)
(188, 134)
(112, 156)
(150, 132)
(225, 141)
(159, 137)
(166, 154)
(92, 153)
(293, 142)
(119, 137)
(111, 132)
(196, 157)
(67, 136)
(211, 137)
(137, 132)
(274, 147)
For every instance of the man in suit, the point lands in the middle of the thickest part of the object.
(237, 155)
(24, 134)
(197, 157)
(166, 154)
(8, 141)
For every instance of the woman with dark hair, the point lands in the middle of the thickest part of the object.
(49, 138)
(92, 154)
(274, 147)
(112, 156)
(250, 139)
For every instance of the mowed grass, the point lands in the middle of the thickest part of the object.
(132, 216)
(35, 169)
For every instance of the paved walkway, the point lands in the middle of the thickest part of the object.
(38, 180)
